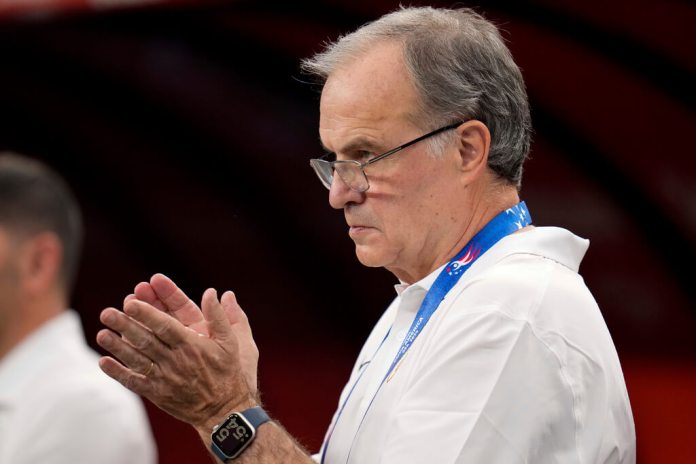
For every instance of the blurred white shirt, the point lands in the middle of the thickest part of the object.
(58, 407)
(516, 366)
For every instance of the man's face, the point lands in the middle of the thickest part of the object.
(405, 221)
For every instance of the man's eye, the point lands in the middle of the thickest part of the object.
(364, 155)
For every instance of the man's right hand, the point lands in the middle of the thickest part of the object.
(162, 293)
(198, 365)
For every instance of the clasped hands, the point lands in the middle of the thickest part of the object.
(196, 364)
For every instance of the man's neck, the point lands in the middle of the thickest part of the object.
(481, 211)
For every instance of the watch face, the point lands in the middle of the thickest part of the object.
(233, 435)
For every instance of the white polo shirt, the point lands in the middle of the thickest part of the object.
(58, 407)
(515, 366)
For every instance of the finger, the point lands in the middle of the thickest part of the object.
(218, 324)
(128, 298)
(138, 336)
(144, 292)
(161, 324)
(126, 377)
(128, 355)
(235, 314)
(232, 308)
(175, 300)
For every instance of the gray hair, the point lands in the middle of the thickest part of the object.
(35, 199)
(461, 70)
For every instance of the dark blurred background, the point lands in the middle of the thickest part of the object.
(185, 128)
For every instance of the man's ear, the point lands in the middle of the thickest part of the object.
(474, 144)
(40, 261)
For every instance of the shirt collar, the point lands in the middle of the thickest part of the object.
(553, 243)
(424, 284)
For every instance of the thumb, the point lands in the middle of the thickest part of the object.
(218, 325)
(234, 312)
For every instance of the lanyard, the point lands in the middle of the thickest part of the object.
(505, 223)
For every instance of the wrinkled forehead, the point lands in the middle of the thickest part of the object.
(374, 88)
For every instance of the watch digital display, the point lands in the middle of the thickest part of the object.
(233, 435)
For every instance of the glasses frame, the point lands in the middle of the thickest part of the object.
(322, 165)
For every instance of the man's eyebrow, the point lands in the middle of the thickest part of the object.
(357, 144)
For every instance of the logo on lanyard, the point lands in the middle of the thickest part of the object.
(458, 266)
(522, 215)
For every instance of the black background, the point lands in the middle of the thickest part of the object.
(185, 131)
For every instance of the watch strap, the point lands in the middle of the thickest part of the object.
(218, 452)
(255, 416)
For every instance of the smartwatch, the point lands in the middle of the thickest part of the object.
(235, 434)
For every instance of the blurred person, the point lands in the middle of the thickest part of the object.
(56, 406)
(493, 351)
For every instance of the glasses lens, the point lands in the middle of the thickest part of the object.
(351, 173)
(348, 170)
(324, 171)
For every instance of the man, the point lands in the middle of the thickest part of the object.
(55, 404)
(494, 351)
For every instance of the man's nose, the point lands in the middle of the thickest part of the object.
(340, 194)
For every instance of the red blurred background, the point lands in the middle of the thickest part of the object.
(185, 127)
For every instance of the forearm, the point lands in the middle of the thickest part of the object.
(273, 444)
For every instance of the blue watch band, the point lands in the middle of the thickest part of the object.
(255, 416)
(218, 452)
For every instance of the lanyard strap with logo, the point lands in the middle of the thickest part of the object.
(505, 223)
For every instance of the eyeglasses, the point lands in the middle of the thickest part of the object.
(352, 172)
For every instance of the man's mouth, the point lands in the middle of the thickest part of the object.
(358, 229)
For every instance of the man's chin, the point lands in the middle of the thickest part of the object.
(370, 257)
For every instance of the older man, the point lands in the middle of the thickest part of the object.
(494, 351)
(56, 406)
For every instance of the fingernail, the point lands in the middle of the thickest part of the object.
(131, 309)
(109, 318)
(106, 339)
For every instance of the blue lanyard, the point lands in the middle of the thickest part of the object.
(505, 223)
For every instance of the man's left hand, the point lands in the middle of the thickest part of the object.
(195, 378)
